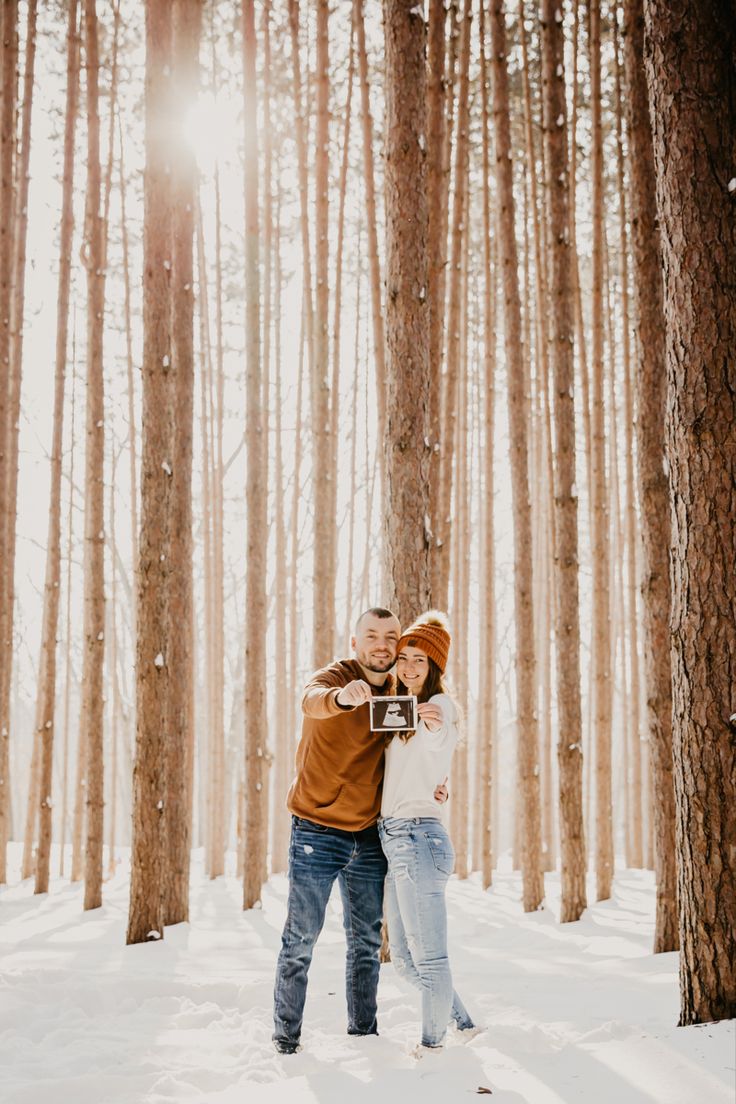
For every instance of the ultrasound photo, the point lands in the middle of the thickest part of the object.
(394, 714)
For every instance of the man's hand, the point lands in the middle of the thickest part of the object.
(441, 792)
(355, 693)
(431, 715)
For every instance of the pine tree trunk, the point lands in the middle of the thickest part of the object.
(457, 235)
(526, 670)
(256, 811)
(283, 744)
(600, 537)
(438, 181)
(690, 77)
(187, 15)
(406, 505)
(153, 657)
(52, 589)
(651, 393)
(325, 528)
(636, 858)
(567, 622)
(94, 520)
(9, 44)
(68, 620)
(379, 343)
(487, 712)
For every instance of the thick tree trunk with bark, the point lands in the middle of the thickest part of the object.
(651, 397)
(94, 512)
(567, 622)
(517, 368)
(406, 507)
(690, 71)
(256, 776)
(148, 852)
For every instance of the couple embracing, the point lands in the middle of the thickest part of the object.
(369, 813)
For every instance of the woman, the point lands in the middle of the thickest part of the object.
(418, 849)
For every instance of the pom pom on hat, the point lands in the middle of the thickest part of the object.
(431, 633)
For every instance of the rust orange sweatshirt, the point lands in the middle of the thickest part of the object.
(339, 761)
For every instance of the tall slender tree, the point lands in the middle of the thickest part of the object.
(8, 104)
(256, 808)
(517, 369)
(324, 547)
(94, 517)
(567, 619)
(187, 18)
(599, 490)
(651, 397)
(45, 710)
(148, 855)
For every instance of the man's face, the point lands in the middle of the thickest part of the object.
(375, 642)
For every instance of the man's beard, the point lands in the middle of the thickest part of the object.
(377, 669)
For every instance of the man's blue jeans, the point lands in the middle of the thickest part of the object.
(318, 855)
(421, 858)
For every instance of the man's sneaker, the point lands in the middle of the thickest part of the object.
(287, 1046)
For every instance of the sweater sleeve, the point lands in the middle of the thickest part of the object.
(320, 693)
(447, 734)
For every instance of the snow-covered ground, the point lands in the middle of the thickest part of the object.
(580, 1012)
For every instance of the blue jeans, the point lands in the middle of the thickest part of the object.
(420, 861)
(318, 855)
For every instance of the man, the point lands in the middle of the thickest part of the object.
(335, 800)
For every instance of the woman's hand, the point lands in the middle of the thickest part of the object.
(441, 793)
(431, 715)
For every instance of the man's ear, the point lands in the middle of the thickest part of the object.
(352, 642)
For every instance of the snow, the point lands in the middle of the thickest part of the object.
(572, 1013)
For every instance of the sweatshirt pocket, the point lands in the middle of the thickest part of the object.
(352, 805)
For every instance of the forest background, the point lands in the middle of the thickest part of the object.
(305, 419)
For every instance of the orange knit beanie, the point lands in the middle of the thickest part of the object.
(429, 632)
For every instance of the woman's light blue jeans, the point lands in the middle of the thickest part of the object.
(420, 860)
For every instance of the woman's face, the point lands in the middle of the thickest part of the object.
(412, 668)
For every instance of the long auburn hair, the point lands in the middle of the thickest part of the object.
(433, 684)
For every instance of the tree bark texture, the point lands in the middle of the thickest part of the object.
(148, 852)
(406, 521)
(690, 56)
(567, 620)
(651, 398)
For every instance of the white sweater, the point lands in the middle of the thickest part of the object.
(415, 767)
